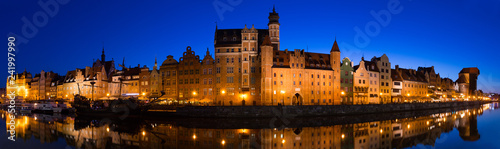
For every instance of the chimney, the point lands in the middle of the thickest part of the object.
(397, 67)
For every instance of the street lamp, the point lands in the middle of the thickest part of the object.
(283, 94)
(223, 92)
(342, 94)
(243, 98)
(194, 94)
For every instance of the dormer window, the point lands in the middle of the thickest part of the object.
(234, 38)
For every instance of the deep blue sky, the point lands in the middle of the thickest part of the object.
(449, 34)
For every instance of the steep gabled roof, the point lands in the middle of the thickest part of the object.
(472, 70)
(335, 47)
(371, 66)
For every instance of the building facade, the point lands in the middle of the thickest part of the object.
(252, 70)
(385, 77)
(346, 78)
(414, 85)
(360, 84)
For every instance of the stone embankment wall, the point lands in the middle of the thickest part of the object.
(311, 111)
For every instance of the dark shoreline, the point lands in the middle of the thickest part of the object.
(306, 111)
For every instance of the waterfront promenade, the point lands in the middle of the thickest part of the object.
(313, 110)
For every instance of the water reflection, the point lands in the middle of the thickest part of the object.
(81, 132)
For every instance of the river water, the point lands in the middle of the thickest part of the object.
(476, 127)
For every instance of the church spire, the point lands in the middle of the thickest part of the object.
(335, 47)
(102, 55)
(156, 64)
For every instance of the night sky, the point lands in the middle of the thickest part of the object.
(448, 34)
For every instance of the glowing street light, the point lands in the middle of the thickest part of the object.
(283, 95)
(342, 93)
(194, 136)
(283, 141)
(243, 97)
(343, 136)
(223, 92)
(223, 142)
